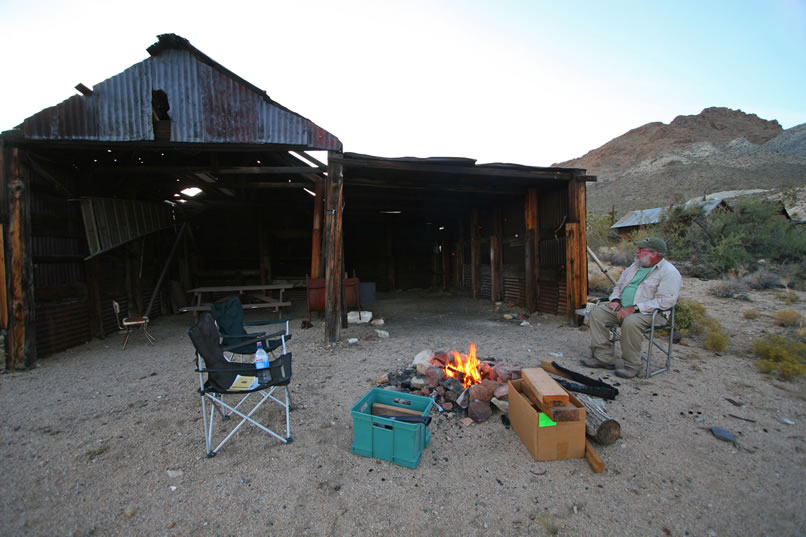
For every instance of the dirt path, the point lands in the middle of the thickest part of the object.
(97, 441)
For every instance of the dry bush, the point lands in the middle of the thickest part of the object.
(762, 279)
(781, 356)
(788, 318)
(622, 254)
(729, 287)
(751, 314)
(788, 296)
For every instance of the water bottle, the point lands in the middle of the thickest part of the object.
(261, 364)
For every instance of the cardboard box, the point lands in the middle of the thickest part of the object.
(563, 440)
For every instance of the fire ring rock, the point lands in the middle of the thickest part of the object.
(479, 411)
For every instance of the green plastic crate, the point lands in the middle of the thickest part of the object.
(390, 440)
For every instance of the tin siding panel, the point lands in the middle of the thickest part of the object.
(176, 73)
(124, 105)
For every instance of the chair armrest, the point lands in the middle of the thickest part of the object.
(260, 337)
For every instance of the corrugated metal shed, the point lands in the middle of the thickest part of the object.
(648, 217)
(208, 104)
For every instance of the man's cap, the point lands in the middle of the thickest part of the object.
(653, 243)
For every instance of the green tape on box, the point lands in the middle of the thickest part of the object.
(545, 421)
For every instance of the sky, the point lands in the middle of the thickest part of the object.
(529, 82)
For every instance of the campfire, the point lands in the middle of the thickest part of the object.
(458, 382)
(464, 367)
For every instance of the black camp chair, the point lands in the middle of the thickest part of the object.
(219, 377)
(228, 315)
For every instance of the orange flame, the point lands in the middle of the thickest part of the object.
(467, 365)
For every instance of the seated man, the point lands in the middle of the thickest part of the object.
(650, 283)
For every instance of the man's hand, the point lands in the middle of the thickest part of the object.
(624, 312)
(614, 305)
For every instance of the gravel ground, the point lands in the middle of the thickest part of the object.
(99, 441)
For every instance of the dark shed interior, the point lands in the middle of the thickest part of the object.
(97, 207)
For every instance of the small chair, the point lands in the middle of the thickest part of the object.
(127, 323)
(661, 320)
(229, 317)
(219, 377)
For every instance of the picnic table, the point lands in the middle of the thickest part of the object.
(267, 296)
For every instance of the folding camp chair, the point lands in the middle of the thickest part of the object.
(127, 323)
(229, 317)
(661, 320)
(219, 377)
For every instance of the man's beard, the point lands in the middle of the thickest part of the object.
(644, 260)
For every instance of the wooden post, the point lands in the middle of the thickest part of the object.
(21, 336)
(446, 265)
(459, 258)
(475, 253)
(496, 256)
(316, 239)
(576, 256)
(333, 254)
(261, 248)
(532, 231)
(94, 311)
(391, 276)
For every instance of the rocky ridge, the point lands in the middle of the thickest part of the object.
(717, 150)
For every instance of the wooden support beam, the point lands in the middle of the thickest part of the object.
(316, 239)
(22, 350)
(532, 230)
(576, 251)
(475, 253)
(333, 253)
(496, 256)
(459, 257)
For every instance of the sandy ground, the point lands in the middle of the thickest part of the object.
(99, 441)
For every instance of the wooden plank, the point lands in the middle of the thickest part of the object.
(260, 305)
(568, 412)
(496, 256)
(391, 410)
(549, 391)
(594, 460)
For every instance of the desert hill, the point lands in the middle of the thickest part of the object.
(717, 150)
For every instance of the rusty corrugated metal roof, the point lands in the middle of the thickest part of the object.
(208, 104)
(654, 216)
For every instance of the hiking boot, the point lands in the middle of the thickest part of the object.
(595, 363)
(626, 373)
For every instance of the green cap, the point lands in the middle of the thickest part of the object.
(653, 243)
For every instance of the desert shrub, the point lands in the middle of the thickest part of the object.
(751, 314)
(781, 356)
(788, 318)
(729, 287)
(621, 254)
(727, 239)
(716, 339)
(762, 279)
(789, 297)
(683, 317)
(598, 229)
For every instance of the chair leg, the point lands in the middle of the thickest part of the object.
(151, 339)
(126, 339)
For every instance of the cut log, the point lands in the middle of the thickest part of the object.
(598, 424)
(548, 390)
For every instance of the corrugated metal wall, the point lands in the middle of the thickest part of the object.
(207, 105)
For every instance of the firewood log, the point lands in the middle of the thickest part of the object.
(598, 424)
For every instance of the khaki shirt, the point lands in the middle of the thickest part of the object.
(659, 290)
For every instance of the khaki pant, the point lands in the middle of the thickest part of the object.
(602, 319)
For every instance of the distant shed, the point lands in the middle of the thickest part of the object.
(648, 218)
